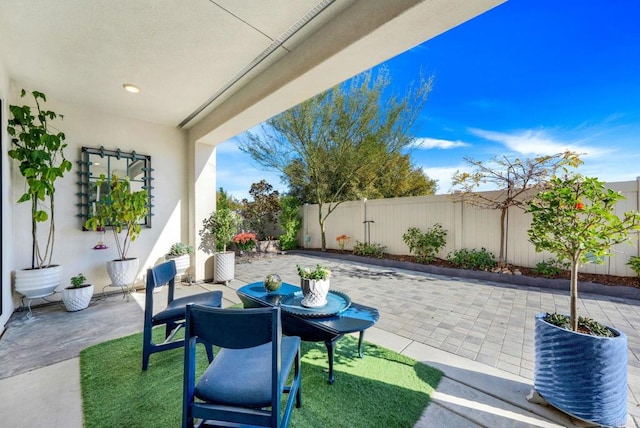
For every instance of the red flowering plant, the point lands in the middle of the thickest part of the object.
(245, 241)
(342, 240)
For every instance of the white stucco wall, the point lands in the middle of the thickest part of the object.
(73, 248)
(7, 304)
(203, 201)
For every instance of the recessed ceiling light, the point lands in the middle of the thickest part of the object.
(131, 88)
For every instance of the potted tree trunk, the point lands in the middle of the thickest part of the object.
(122, 211)
(581, 365)
(39, 147)
(217, 232)
(77, 296)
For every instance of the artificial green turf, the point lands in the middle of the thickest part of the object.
(383, 389)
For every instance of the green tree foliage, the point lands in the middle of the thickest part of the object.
(122, 210)
(290, 222)
(574, 219)
(334, 146)
(218, 230)
(398, 178)
(262, 211)
(39, 148)
(225, 200)
(514, 178)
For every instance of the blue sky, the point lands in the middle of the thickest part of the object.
(529, 77)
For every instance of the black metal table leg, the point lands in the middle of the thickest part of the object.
(360, 343)
(330, 344)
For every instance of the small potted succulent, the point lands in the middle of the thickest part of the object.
(181, 254)
(315, 285)
(77, 296)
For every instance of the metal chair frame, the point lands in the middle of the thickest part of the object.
(240, 331)
(173, 316)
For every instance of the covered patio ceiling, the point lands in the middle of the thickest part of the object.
(215, 67)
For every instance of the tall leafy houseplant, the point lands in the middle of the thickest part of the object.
(574, 220)
(584, 375)
(121, 210)
(39, 148)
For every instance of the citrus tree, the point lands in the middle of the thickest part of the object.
(574, 219)
(218, 230)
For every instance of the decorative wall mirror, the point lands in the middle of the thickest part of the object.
(97, 162)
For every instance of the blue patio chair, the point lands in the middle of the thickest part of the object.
(173, 315)
(245, 381)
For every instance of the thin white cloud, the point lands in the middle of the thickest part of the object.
(434, 143)
(536, 142)
(443, 175)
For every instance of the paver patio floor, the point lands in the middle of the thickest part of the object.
(492, 323)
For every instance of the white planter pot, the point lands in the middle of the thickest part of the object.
(77, 299)
(34, 283)
(182, 263)
(122, 272)
(224, 266)
(315, 292)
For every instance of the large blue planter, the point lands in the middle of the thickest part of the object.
(582, 375)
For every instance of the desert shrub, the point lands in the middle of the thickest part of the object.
(369, 250)
(634, 262)
(425, 245)
(472, 259)
(550, 267)
(290, 222)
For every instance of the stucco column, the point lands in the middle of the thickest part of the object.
(202, 201)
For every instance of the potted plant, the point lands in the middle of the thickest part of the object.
(581, 366)
(217, 232)
(315, 285)
(181, 254)
(39, 148)
(122, 211)
(77, 296)
(245, 241)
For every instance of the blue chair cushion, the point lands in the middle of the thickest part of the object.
(250, 385)
(176, 309)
